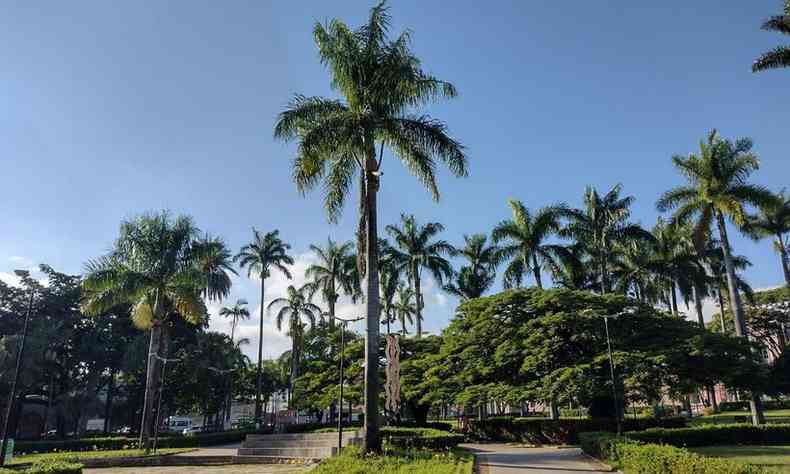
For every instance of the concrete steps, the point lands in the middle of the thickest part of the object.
(306, 446)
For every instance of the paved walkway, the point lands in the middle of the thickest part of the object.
(224, 450)
(508, 459)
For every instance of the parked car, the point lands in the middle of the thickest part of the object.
(192, 430)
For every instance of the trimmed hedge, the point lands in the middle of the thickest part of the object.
(712, 435)
(744, 405)
(636, 457)
(563, 431)
(116, 443)
(420, 438)
(48, 467)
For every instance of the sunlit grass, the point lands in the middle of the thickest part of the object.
(776, 458)
(399, 462)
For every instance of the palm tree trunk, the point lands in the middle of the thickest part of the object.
(603, 276)
(403, 325)
(371, 437)
(151, 379)
(735, 299)
(294, 362)
(108, 403)
(536, 271)
(698, 304)
(785, 261)
(233, 323)
(673, 295)
(417, 296)
(331, 303)
(258, 374)
(721, 309)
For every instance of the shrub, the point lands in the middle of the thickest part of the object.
(558, 431)
(712, 435)
(48, 467)
(633, 456)
(420, 438)
(119, 443)
(744, 405)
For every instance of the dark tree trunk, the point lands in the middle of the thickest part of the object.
(108, 403)
(417, 297)
(151, 382)
(258, 373)
(372, 439)
(785, 261)
(536, 271)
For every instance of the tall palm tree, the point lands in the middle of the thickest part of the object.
(713, 256)
(633, 273)
(773, 221)
(215, 262)
(333, 273)
(382, 85)
(265, 253)
(236, 312)
(779, 57)
(153, 267)
(404, 306)
(717, 188)
(415, 249)
(468, 284)
(673, 262)
(295, 306)
(389, 279)
(474, 279)
(570, 268)
(600, 226)
(524, 241)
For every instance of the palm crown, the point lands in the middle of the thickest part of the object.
(773, 221)
(236, 312)
(334, 272)
(265, 252)
(601, 225)
(780, 56)
(414, 249)
(215, 262)
(524, 241)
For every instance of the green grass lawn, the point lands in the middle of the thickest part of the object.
(77, 455)
(771, 416)
(399, 462)
(776, 458)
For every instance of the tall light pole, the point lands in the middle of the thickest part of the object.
(626, 311)
(161, 392)
(343, 323)
(12, 400)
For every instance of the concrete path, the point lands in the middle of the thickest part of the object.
(508, 459)
(224, 450)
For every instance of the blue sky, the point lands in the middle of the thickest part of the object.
(109, 109)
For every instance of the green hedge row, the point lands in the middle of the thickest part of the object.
(48, 467)
(636, 457)
(744, 405)
(563, 431)
(420, 438)
(712, 435)
(116, 443)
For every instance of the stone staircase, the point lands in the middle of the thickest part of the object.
(303, 446)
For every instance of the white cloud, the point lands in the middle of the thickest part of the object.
(9, 278)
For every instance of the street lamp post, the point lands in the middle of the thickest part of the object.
(611, 372)
(343, 323)
(161, 392)
(12, 400)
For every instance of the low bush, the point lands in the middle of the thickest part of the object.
(712, 435)
(318, 427)
(48, 467)
(561, 431)
(420, 438)
(744, 405)
(118, 443)
(633, 456)
(352, 461)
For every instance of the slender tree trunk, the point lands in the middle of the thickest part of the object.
(403, 325)
(418, 297)
(674, 297)
(108, 402)
(536, 271)
(50, 396)
(294, 362)
(387, 314)
(331, 303)
(721, 310)
(372, 440)
(603, 277)
(740, 323)
(233, 323)
(258, 373)
(698, 304)
(785, 261)
(151, 381)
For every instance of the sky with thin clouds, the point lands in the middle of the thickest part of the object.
(111, 109)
